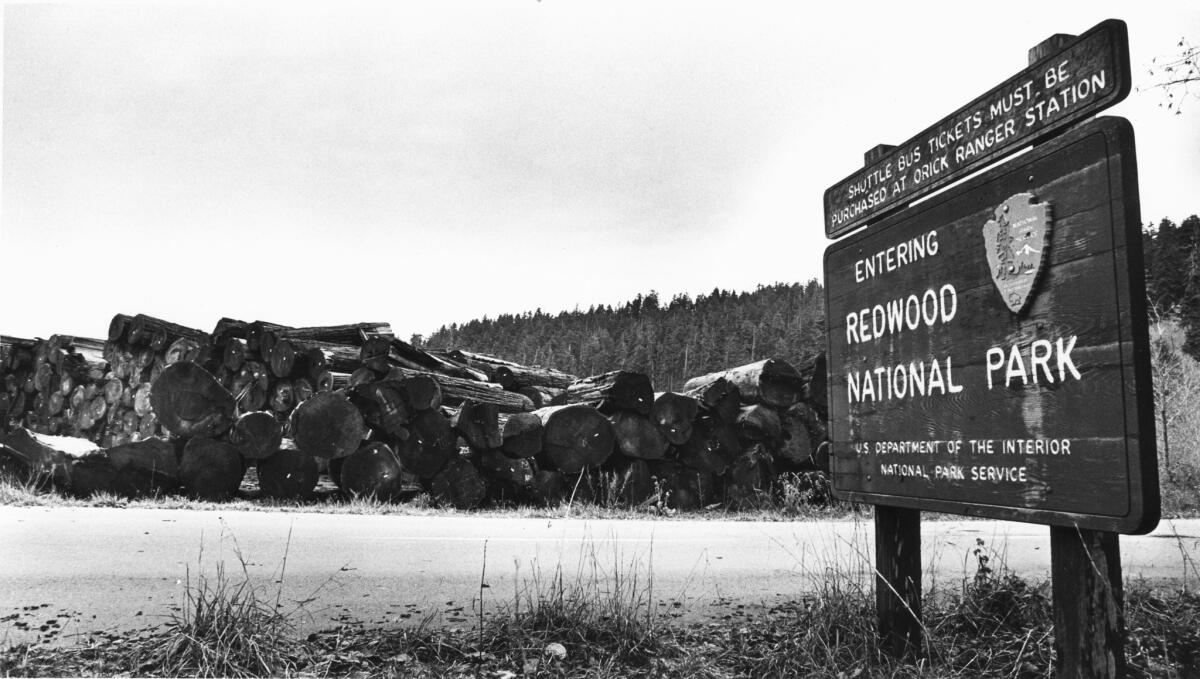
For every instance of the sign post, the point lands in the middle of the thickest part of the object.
(988, 348)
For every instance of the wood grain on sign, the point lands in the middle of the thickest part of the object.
(1041, 415)
(1087, 75)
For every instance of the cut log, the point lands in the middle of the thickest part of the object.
(328, 425)
(431, 445)
(633, 482)
(382, 405)
(47, 458)
(495, 465)
(522, 435)
(574, 438)
(758, 423)
(712, 446)
(748, 481)
(455, 391)
(303, 389)
(259, 336)
(257, 435)
(637, 436)
(459, 484)
(381, 354)
(188, 401)
(147, 467)
(375, 471)
(353, 333)
(616, 390)
(288, 474)
(210, 469)
(688, 489)
(773, 382)
(816, 385)
(141, 400)
(118, 327)
(283, 397)
(549, 487)
(795, 446)
(188, 349)
(718, 397)
(515, 377)
(542, 397)
(159, 333)
(478, 424)
(674, 414)
(234, 354)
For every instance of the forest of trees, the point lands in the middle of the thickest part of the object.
(685, 337)
(670, 341)
(1172, 253)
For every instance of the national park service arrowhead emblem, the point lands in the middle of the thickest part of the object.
(1017, 238)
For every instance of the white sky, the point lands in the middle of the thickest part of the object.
(428, 163)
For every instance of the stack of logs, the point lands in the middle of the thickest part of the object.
(173, 407)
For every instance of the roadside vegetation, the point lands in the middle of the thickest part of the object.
(606, 620)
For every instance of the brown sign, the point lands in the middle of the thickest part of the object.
(988, 350)
(1086, 76)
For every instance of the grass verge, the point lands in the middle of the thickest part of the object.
(604, 620)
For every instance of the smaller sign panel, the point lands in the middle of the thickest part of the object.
(1088, 75)
(988, 349)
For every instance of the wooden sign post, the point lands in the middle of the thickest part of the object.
(989, 356)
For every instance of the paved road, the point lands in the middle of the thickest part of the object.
(84, 570)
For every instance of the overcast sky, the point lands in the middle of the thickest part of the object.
(428, 163)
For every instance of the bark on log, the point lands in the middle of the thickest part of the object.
(188, 401)
(381, 354)
(515, 377)
(574, 438)
(637, 436)
(478, 424)
(118, 327)
(258, 336)
(47, 459)
(712, 446)
(328, 425)
(257, 435)
(757, 423)
(616, 390)
(542, 397)
(376, 471)
(288, 474)
(773, 382)
(431, 444)
(674, 414)
(210, 469)
(718, 397)
(495, 465)
(522, 434)
(352, 333)
(147, 467)
(455, 391)
(459, 484)
(382, 405)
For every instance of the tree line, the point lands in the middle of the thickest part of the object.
(685, 337)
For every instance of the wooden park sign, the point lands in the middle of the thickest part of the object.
(988, 348)
(988, 351)
(1087, 75)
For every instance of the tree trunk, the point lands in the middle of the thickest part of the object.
(328, 425)
(718, 397)
(257, 435)
(210, 469)
(381, 355)
(674, 414)
(637, 436)
(522, 434)
(478, 424)
(188, 401)
(773, 382)
(575, 437)
(616, 390)
(353, 333)
(459, 484)
(795, 447)
(288, 474)
(376, 471)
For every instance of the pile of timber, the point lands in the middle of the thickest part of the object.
(53, 386)
(387, 419)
